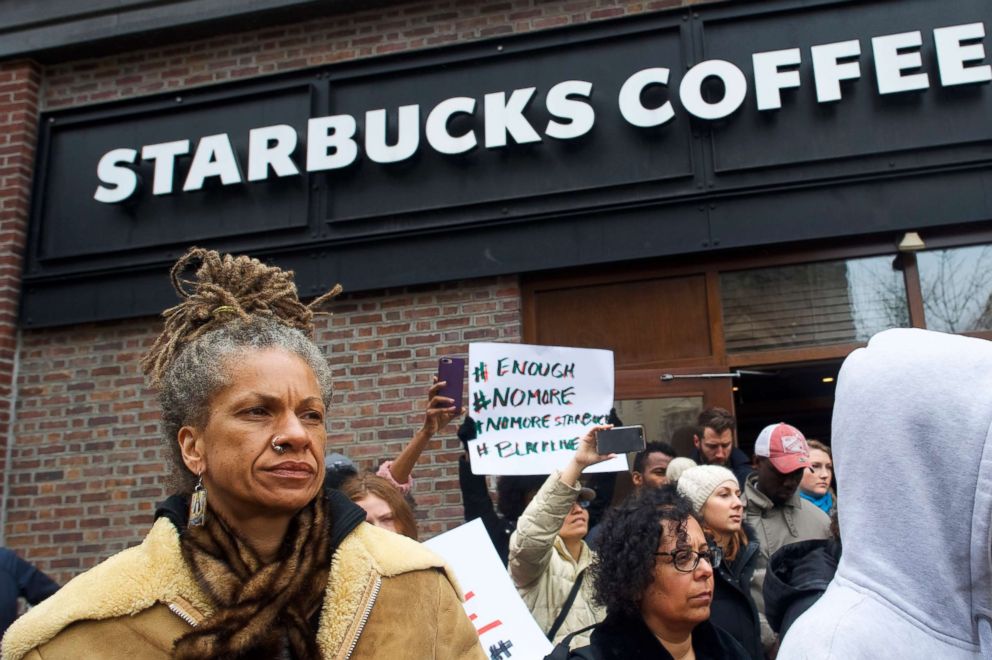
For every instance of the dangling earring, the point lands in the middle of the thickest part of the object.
(198, 504)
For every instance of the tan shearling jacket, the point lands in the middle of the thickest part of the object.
(542, 568)
(386, 597)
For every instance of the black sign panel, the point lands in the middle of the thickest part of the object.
(74, 224)
(625, 187)
(863, 123)
(613, 154)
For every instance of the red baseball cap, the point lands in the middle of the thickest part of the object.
(785, 446)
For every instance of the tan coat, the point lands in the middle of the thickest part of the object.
(543, 569)
(775, 526)
(387, 597)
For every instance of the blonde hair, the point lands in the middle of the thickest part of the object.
(737, 541)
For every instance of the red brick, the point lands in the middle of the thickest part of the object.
(101, 423)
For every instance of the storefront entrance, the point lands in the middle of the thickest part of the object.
(802, 395)
(763, 335)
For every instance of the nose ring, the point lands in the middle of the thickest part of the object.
(277, 446)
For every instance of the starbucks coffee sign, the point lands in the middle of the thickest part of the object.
(709, 91)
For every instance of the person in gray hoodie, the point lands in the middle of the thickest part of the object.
(913, 456)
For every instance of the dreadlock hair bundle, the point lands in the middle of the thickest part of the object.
(226, 287)
(231, 306)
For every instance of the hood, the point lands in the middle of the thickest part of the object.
(913, 458)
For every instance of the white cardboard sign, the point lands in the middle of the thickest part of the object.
(531, 404)
(506, 627)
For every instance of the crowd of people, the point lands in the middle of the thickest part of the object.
(264, 552)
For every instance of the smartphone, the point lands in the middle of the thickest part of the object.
(620, 440)
(452, 371)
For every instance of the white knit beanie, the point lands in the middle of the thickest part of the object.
(698, 483)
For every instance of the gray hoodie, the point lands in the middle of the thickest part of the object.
(913, 456)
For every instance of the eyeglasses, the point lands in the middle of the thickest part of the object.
(686, 561)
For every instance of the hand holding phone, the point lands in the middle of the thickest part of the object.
(620, 440)
(451, 370)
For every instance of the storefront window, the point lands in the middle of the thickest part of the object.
(835, 302)
(660, 417)
(957, 288)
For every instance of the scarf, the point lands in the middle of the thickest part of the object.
(262, 610)
(825, 502)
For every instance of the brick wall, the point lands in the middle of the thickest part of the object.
(336, 38)
(19, 98)
(87, 464)
(384, 351)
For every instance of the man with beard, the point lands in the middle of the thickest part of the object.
(713, 443)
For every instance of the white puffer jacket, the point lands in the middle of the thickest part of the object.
(542, 567)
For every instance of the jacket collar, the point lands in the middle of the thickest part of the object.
(582, 561)
(628, 637)
(343, 514)
(155, 572)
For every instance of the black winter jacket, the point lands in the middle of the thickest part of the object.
(733, 609)
(621, 638)
(20, 578)
(797, 576)
(478, 504)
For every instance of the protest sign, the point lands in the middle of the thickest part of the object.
(531, 404)
(505, 625)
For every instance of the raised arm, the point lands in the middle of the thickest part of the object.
(438, 414)
(533, 542)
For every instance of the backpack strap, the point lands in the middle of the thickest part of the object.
(562, 651)
(560, 619)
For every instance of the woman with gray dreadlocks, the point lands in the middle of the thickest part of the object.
(254, 559)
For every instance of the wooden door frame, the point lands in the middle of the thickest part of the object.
(646, 383)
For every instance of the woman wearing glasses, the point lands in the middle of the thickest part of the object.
(716, 500)
(654, 575)
(548, 557)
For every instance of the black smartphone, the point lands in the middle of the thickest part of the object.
(620, 440)
(452, 371)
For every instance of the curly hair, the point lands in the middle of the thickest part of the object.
(233, 306)
(624, 567)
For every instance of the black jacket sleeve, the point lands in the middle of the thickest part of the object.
(33, 585)
(478, 504)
